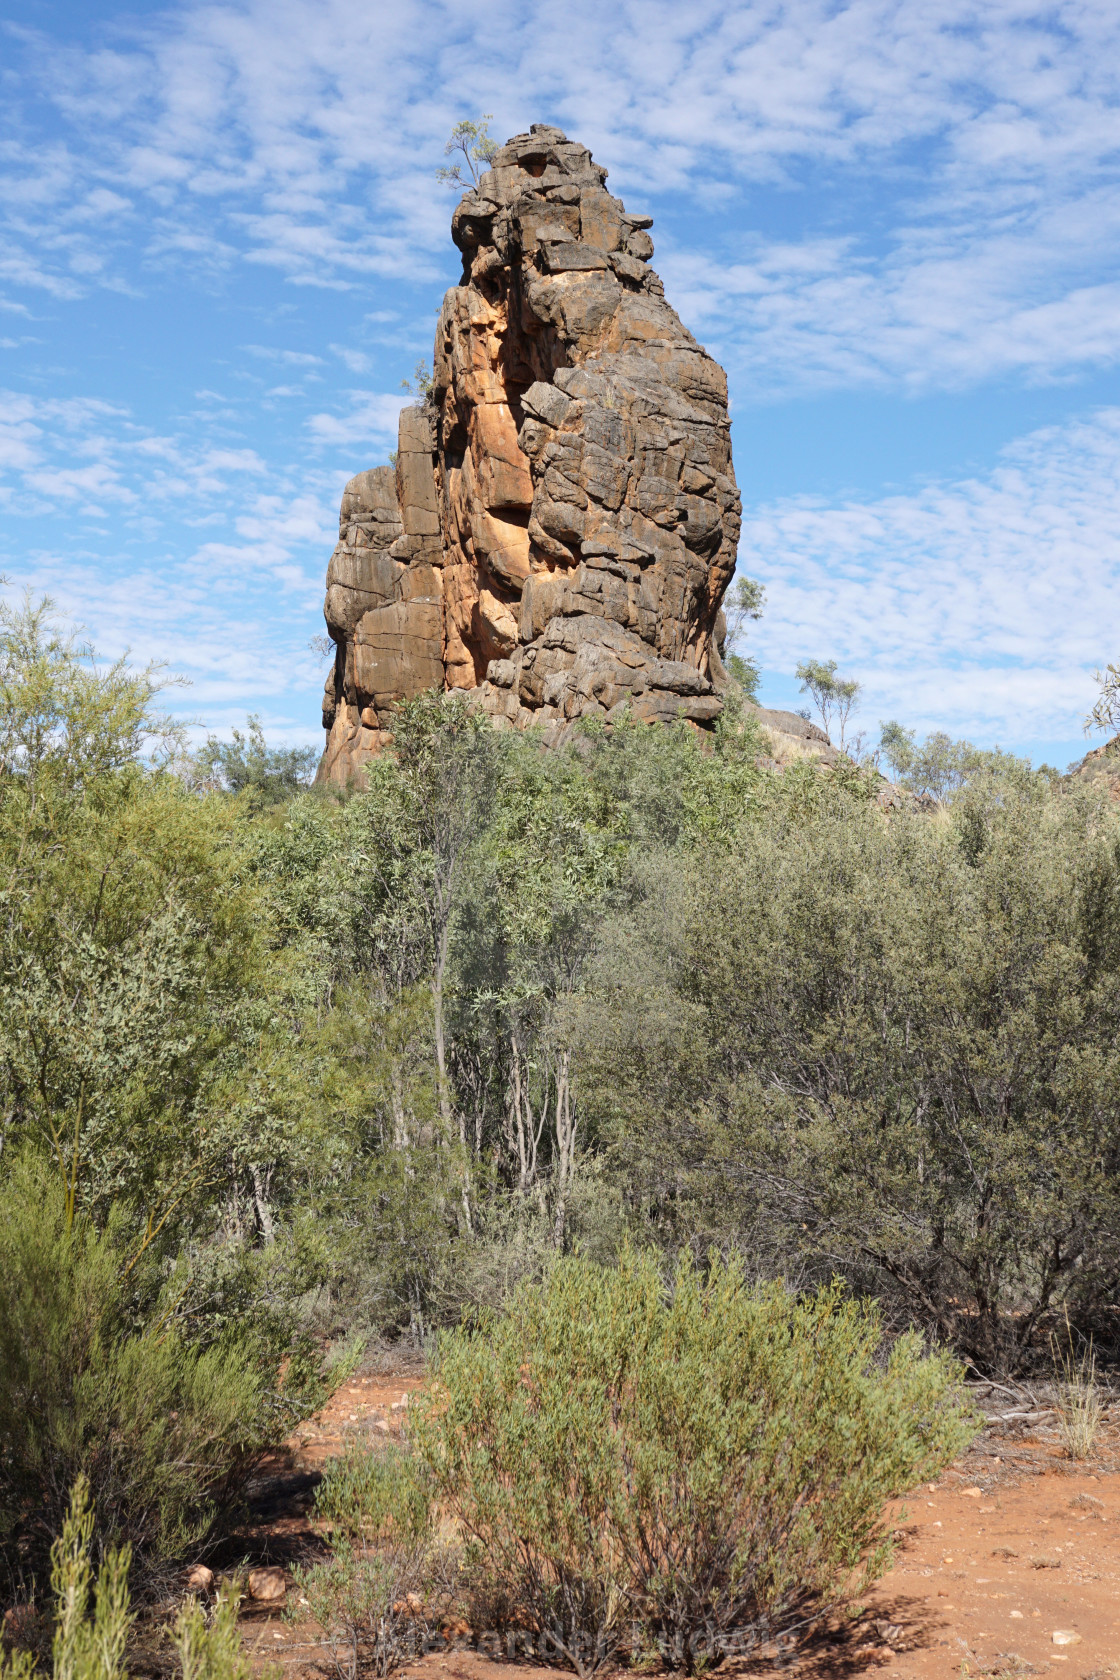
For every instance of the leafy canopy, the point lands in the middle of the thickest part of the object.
(834, 696)
(1106, 709)
(269, 775)
(743, 602)
(475, 145)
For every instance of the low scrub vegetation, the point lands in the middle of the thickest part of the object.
(282, 1070)
(101, 1384)
(680, 1472)
(380, 1597)
(92, 1615)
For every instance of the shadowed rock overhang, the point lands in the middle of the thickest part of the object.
(561, 524)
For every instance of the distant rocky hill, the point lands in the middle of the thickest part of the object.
(561, 523)
(1100, 769)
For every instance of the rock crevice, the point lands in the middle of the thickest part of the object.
(562, 520)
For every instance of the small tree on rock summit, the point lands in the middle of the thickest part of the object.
(477, 146)
(744, 602)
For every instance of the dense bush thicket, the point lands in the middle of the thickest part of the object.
(642, 989)
(884, 1048)
(101, 1383)
(143, 1325)
(282, 1067)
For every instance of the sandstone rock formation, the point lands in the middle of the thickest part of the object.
(788, 737)
(561, 524)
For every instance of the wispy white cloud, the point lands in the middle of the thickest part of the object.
(292, 358)
(371, 419)
(942, 306)
(355, 360)
(197, 555)
(234, 656)
(991, 142)
(982, 605)
(65, 450)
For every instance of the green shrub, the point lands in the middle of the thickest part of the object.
(96, 1383)
(369, 1495)
(879, 1045)
(88, 1647)
(687, 1471)
(374, 1598)
(89, 1643)
(210, 1648)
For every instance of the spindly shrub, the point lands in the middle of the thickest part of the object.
(387, 1569)
(88, 1644)
(683, 1471)
(1080, 1408)
(374, 1496)
(92, 1615)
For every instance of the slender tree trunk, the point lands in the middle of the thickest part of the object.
(441, 1047)
(565, 1149)
(526, 1127)
(517, 1115)
(400, 1122)
(438, 974)
(260, 1202)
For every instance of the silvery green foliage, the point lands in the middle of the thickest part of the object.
(127, 990)
(941, 766)
(1106, 710)
(882, 1044)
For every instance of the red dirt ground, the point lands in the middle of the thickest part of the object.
(1010, 1546)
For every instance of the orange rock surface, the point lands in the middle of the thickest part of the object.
(561, 523)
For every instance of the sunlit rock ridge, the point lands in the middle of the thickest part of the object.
(561, 523)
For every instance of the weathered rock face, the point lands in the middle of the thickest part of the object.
(562, 521)
(1099, 770)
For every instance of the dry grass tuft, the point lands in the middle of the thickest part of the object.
(1080, 1407)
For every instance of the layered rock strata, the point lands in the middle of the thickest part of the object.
(561, 523)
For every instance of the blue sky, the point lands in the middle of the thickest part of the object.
(222, 247)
